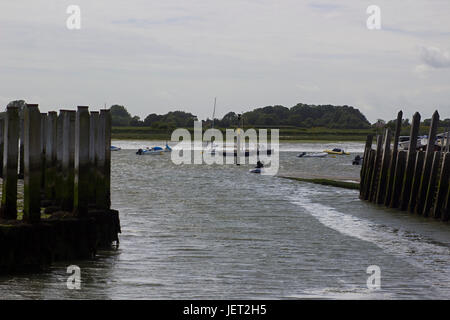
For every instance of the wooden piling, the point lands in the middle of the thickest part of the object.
(381, 190)
(366, 186)
(425, 180)
(43, 151)
(68, 157)
(82, 174)
(59, 181)
(100, 155)
(398, 179)
(365, 165)
(432, 184)
(393, 160)
(416, 180)
(446, 210)
(50, 156)
(32, 164)
(410, 162)
(107, 157)
(21, 147)
(443, 186)
(93, 133)
(10, 162)
(376, 169)
(2, 143)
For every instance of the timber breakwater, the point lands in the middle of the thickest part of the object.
(414, 180)
(64, 211)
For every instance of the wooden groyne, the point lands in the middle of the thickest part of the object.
(65, 162)
(412, 180)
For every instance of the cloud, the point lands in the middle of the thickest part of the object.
(435, 57)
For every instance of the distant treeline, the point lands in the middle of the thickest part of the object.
(301, 116)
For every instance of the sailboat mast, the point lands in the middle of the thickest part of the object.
(214, 112)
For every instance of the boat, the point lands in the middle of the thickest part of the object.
(256, 170)
(154, 150)
(312, 155)
(114, 148)
(336, 151)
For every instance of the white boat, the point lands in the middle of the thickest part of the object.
(312, 155)
(154, 150)
(113, 148)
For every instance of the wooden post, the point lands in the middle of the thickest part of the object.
(446, 210)
(398, 179)
(82, 174)
(32, 164)
(107, 157)
(2, 143)
(43, 150)
(59, 182)
(68, 158)
(93, 133)
(365, 166)
(393, 160)
(432, 184)
(410, 162)
(381, 192)
(50, 156)
(416, 180)
(424, 182)
(444, 183)
(10, 162)
(366, 187)
(100, 155)
(21, 149)
(376, 170)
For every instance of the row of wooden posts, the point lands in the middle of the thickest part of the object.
(417, 181)
(64, 160)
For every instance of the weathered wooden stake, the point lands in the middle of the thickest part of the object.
(376, 171)
(444, 183)
(32, 164)
(68, 158)
(422, 193)
(107, 157)
(398, 179)
(50, 156)
(21, 147)
(365, 166)
(2, 143)
(410, 162)
(59, 181)
(82, 174)
(43, 150)
(381, 192)
(416, 180)
(100, 155)
(393, 160)
(432, 184)
(93, 133)
(10, 162)
(366, 186)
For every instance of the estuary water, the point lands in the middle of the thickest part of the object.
(220, 232)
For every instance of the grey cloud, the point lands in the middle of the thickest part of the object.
(435, 57)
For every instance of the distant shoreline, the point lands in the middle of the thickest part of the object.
(286, 135)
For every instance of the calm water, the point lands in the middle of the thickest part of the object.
(202, 232)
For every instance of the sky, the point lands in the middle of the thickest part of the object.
(160, 56)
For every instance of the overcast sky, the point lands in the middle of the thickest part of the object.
(158, 56)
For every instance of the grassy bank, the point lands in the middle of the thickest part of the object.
(286, 134)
